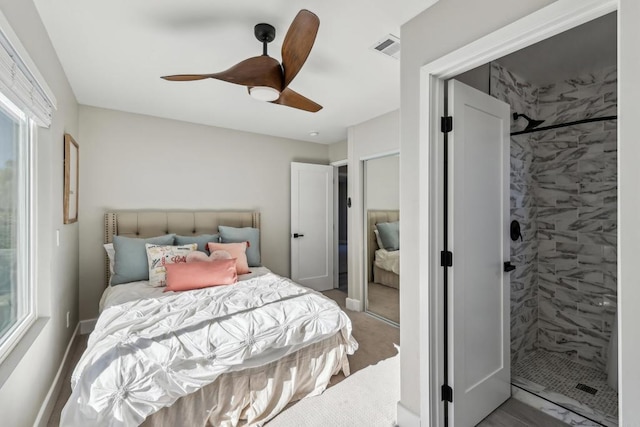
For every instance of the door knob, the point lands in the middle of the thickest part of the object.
(296, 235)
(509, 267)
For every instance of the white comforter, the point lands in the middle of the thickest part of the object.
(146, 354)
(388, 260)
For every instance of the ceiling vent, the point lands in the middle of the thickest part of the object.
(390, 46)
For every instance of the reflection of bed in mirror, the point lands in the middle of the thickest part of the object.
(383, 265)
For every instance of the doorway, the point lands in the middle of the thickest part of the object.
(577, 201)
(341, 226)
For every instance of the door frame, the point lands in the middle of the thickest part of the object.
(560, 16)
(336, 214)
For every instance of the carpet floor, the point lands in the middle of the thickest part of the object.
(384, 301)
(377, 342)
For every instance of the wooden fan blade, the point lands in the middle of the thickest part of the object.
(186, 77)
(257, 71)
(293, 99)
(298, 43)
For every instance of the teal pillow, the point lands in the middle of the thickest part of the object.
(389, 234)
(131, 257)
(201, 240)
(246, 234)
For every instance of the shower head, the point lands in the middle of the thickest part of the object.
(531, 122)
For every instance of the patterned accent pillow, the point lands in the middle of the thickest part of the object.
(158, 256)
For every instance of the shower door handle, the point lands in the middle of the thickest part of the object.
(508, 267)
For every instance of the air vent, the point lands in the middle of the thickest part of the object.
(390, 46)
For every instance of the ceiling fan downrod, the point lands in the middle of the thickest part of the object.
(265, 33)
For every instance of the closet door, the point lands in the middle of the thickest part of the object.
(478, 320)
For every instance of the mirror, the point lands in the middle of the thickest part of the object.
(382, 238)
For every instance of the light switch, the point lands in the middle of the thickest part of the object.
(57, 237)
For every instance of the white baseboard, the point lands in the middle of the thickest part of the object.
(87, 326)
(50, 399)
(407, 418)
(353, 304)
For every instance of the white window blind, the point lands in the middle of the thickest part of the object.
(20, 80)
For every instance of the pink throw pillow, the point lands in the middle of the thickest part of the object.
(198, 275)
(197, 256)
(237, 251)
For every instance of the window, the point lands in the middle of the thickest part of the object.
(17, 297)
(25, 101)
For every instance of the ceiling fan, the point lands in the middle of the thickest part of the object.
(265, 78)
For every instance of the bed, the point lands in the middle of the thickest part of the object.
(218, 356)
(383, 264)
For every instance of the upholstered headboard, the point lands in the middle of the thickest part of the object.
(373, 218)
(148, 223)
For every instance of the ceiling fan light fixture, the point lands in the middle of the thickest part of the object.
(264, 93)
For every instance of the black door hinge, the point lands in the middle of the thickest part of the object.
(446, 258)
(446, 124)
(447, 393)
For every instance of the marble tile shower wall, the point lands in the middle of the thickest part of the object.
(524, 280)
(576, 187)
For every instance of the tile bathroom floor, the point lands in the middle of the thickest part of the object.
(555, 378)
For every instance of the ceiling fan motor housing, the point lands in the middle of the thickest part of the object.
(264, 32)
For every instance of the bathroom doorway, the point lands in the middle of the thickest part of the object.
(563, 190)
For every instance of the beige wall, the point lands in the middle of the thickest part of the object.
(131, 161)
(382, 183)
(32, 374)
(373, 138)
(338, 151)
(471, 21)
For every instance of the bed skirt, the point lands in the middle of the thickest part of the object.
(253, 396)
(386, 278)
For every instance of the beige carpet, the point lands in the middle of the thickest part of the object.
(384, 301)
(376, 341)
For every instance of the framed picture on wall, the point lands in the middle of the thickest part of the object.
(71, 163)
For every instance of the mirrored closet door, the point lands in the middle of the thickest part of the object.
(382, 237)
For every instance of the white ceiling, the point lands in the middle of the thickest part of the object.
(584, 49)
(114, 53)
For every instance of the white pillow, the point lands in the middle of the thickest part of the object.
(158, 256)
(378, 240)
(111, 254)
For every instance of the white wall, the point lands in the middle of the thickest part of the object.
(628, 208)
(382, 183)
(370, 139)
(23, 392)
(338, 151)
(131, 161)
(441, 29)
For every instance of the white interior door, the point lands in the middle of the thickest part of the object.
(312, 225)
(478, 324)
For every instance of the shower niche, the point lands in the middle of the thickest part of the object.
(563, 191)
